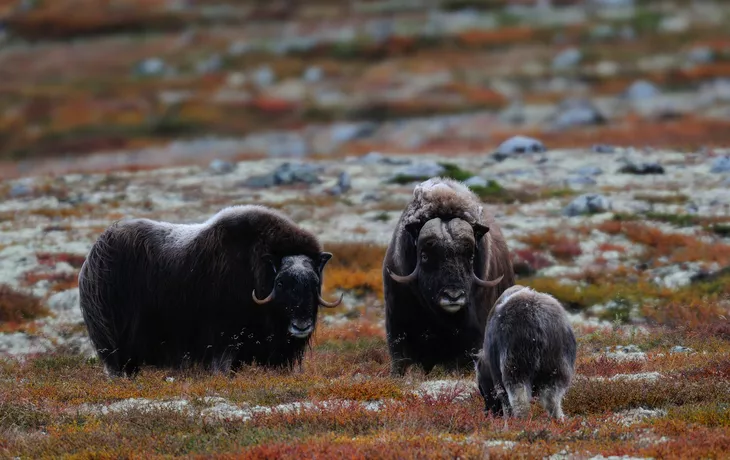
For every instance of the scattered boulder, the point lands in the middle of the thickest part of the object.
(344, 184)
(576, 112)
(641, 168)
(680, 349)
(587, 204)
(211, 64)
(677, 275)
(642, 89)
(701, 55)
(476, 181)
(721, 165)
(22, 188)
(20, 344)
(518, 145)
(221, 167)
(567, 59)
(589, 171)
(264, 76)
(150, 67)
(580, 180)
(603, 148)
(286, 174)
(418, 172)
(313, 74)
(376, 157)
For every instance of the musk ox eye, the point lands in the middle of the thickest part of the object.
(424, 257)
(279, 284)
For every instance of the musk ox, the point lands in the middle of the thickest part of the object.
(443, 251)
(529, 349)
(242, 287)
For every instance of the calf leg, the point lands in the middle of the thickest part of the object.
(519, 396)
(551, 400)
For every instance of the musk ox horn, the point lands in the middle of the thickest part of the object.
(324, 303)
(262, 301)
(485, 283)
(404, 279)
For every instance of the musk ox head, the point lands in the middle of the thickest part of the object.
(297, 286)
(446, 251)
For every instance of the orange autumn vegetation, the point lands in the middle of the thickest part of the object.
(356, 267)
(19, 307)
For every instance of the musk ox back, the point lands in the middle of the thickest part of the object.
(529, 349)
(445, 266)
(242, 287)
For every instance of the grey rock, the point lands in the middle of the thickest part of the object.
(587, 204)
(264, 76)
(567, 59)
(221, 167)
(701, 55)
(313, 74)
(580, 180)
(603, 148)
(721, 165)
(346, 132)
(211, 64)
(602, 32)
(641, 168)
(476, 181)
(373, 158)
(518, 145)
(680, 349)
(291, 173)
(65, 301)
(577, 112)
(150, 66)
(642, 89)
(286, 145)
(344, 184)
(21, 189)
(589, 171)
(20, 343)
(420, 171)
(631, 348)
(239, 48)
(261, 181)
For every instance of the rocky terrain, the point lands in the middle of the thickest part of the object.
(596, 132)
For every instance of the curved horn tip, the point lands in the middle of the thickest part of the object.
(334, 304)
(485, 283)
(262, 301)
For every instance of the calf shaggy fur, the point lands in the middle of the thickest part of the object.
(173, 295)
(445, 266)
(529, 348)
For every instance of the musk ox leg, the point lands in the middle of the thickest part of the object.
(399, 365)
(519, 399)
(551, 399)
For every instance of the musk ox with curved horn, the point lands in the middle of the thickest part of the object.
(242, 287)
(529, 349)
(445, 266)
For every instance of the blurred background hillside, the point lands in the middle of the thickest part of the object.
(143, 82)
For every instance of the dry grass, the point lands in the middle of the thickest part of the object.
(355, 267)
(18, 307)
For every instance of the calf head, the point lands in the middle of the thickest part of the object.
(297, 287)
(444, 273)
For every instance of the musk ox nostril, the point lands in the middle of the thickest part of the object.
(453, 294)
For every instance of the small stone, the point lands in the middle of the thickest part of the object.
(587, 204)
(290, 173)
(261, 181)
(642, 89)
(212, 64)
(642, 168)
(567, 59)
(313, 74)
(21, 189)
(721, 165)
(603, 148)
(589, 171)
(580, 181)
(344, 184)
(518, 145)
(577, 112)
(422, 171)
(701, 55)
(150, 66)
(680, 349)
(476, 181)
(264, 76)
(221, 167)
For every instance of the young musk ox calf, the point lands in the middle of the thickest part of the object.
(242, 287)
(444, 249)
(529, 349)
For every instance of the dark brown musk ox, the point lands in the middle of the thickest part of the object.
(242, 287)
(443, 251)
(529, 349)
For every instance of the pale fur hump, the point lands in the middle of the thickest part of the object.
(443, 197)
